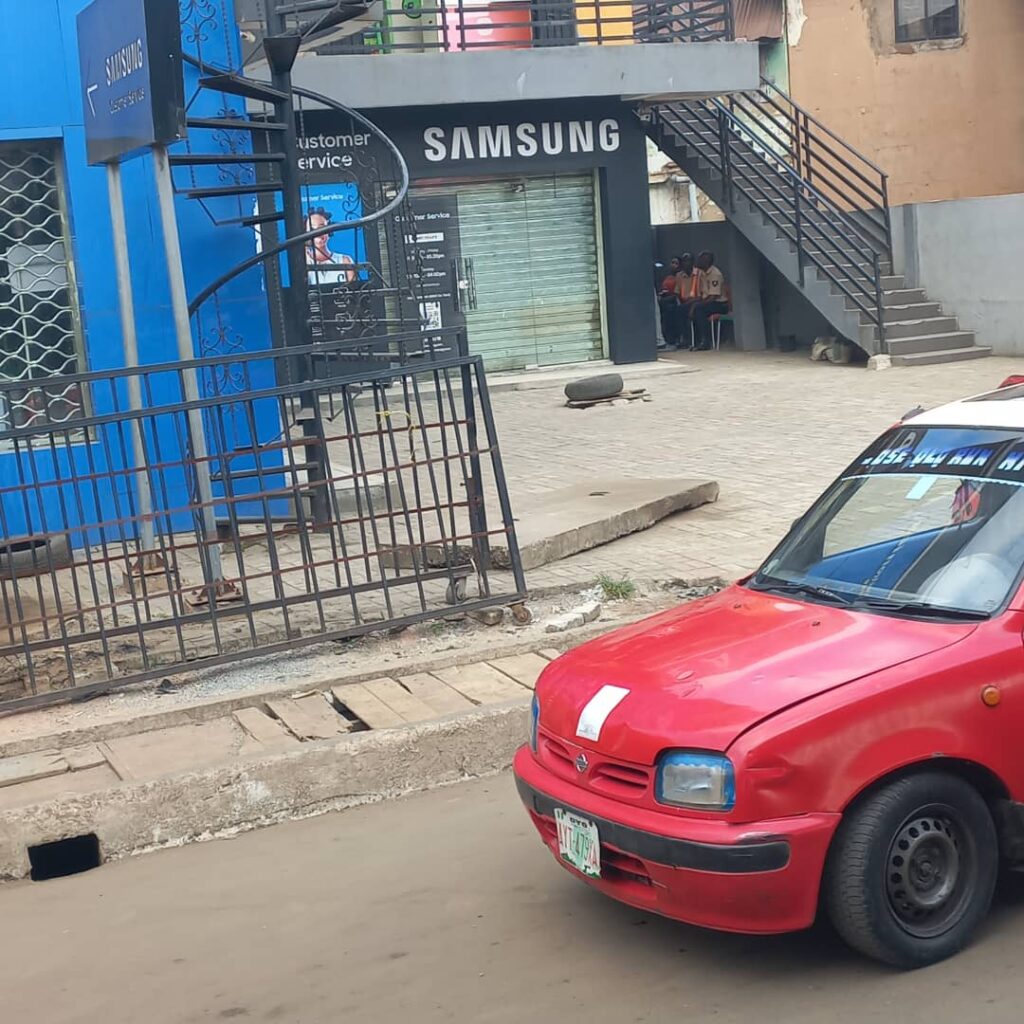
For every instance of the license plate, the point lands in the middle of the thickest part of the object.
(578, 843)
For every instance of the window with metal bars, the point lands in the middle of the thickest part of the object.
(39, 325)
(920, 20)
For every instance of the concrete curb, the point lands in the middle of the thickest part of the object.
(225, 799)
(218, 707)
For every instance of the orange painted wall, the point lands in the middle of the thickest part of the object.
(944, 122)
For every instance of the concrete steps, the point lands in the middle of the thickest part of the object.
(922, 343)
(949, 355)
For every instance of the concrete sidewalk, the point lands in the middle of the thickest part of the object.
(774, 430)
(279, 757)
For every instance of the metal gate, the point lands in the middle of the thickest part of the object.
(404, 460)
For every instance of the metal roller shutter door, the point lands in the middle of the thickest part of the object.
(534, 251)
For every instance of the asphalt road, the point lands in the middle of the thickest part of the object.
(441, 907)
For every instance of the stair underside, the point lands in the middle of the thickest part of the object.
(917, 330)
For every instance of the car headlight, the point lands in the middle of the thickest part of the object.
(534, 722)
(693, 778)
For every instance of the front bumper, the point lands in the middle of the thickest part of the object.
(755, 878)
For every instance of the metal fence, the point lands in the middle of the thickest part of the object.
(336, 507)
(460, 25)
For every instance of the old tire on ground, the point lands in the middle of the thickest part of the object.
(19, 558)
(912, 870)
(594, 389)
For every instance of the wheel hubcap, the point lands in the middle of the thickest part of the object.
(926, 874)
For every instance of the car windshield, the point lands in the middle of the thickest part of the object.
(927, 522)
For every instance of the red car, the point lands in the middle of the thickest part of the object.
(842, 730)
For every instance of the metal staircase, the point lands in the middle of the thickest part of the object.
(816, 209)
(235, 163)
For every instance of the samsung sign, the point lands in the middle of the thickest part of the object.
(527, 139)
(133, 93)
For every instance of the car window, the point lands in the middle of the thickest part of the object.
(896, 506)
(926, 517)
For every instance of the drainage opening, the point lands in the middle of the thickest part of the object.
(64, 857)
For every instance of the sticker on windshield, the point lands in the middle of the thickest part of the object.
(597, 710)
(979, 453)
(921, 488)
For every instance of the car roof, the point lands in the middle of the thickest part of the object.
(1001, 408)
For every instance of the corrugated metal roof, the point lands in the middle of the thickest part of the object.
(759, 19)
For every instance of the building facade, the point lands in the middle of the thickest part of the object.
(522, 128)
(59, 312)
(930, 90)
(530, 220)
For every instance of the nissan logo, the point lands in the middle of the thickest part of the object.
(582, 764)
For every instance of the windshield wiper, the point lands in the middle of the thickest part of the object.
(923, 608)
(773, 583)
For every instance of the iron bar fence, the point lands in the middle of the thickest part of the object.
(465, 25)
(418, 517)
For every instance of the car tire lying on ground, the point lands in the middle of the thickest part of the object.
(34, 558)
(912, 870)
(594, 389)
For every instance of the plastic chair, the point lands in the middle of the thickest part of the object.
(715, 320)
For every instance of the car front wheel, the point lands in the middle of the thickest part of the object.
(912, 870)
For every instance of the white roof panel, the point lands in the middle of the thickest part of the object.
(1004, 409)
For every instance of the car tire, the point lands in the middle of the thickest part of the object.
(34, 558)
(912, 870)
(594, 389)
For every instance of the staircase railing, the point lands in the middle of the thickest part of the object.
(824, 160)
(837, 220)
(450, 26)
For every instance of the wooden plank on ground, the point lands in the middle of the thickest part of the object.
(523, 668)
(481, 683)
(366, 706)
(404, 704)
(309, 718)
(82, 758)
(26, 767)
(267, 731)
(436, 694)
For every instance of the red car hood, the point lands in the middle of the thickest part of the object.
(702, 674)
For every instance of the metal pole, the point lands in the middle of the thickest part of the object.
(297, 326)
(190, 381)
(131, 358)
(798, 225)
(694, 204)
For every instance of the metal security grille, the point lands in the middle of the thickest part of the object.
(38, 318)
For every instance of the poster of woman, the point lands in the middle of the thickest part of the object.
(334, 257)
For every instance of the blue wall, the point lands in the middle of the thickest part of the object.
(42, 99)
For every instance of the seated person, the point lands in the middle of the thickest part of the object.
(687, 295)
(668, 305)
(711, 300)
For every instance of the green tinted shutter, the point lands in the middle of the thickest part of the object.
(529, 246)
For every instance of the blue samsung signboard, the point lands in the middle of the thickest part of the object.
(133, 94)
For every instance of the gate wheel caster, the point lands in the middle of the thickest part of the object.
(456, 592)
(521, 615)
